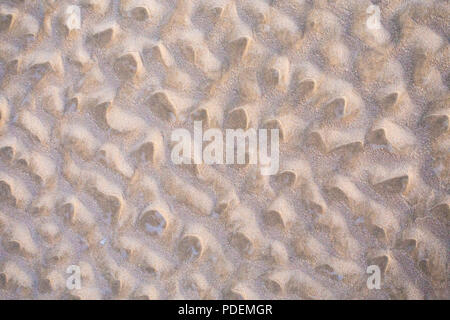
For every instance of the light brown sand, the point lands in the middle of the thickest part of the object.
(86, 112)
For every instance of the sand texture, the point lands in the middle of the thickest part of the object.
(91, 90)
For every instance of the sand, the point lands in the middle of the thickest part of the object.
(91, 90)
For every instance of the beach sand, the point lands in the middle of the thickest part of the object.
(91, 91)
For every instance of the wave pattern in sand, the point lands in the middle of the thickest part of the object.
(90, 91)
